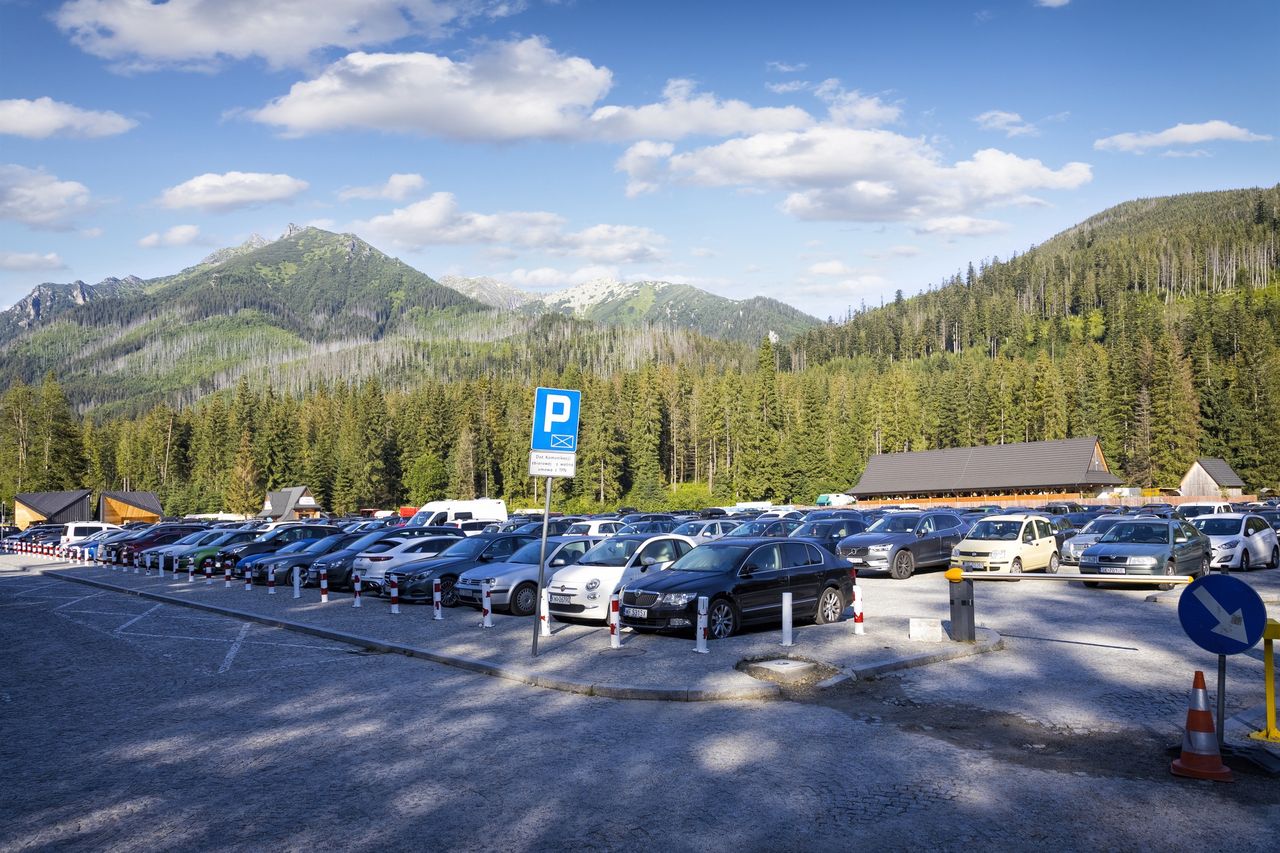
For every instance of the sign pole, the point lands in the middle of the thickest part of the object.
(1222, 698)
(542, 566)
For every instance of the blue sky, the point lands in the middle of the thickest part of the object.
(823, 153)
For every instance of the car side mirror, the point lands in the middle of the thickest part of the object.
(920, 533)
(484, 558)
(558, 561)
(748, 570)
(1179, 540)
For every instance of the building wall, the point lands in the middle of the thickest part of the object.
(1197, 483)
(24, 516)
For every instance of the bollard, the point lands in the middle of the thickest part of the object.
(248, 580)
(147, 561)
(486, 606)
(395, 594)
(615, 640)
(136, 570)
(858, 629)
(271, 581)
(226, 576)
(544, 613)
(297, 582)
(160, 564)
(208, 573)
(435, 600)
(962, 630)
(324, 586)
(701, 646)
(786, 619)
(355, 589)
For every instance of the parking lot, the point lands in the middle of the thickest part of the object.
(132, 724)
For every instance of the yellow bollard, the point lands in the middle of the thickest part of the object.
(1269, 635)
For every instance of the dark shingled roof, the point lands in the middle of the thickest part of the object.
(284, 502)
(1221, 473)
(142, 500)
(50, 504)
(1068, 463)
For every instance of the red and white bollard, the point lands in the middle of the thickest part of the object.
(191, 569)
(248, 579)
(544, 614)
(615, 639)
(786, 620)
(701, 645)
(355, 589)
(136, 567)
(208, 573)
(226, 576)
(436, 597)
(486, 606)
(271, 581)
(395, 595)
(160, 564)
(324, 586)
(297, 582)
(147, 563)
(858, 630)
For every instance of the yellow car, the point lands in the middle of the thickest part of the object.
(1008, 543)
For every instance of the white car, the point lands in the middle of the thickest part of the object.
(594, 527)
(78, 531)
(1239, 540)
(372, 565)
(513, 583)
(582, 591)
(705, 531)
(1190, 511)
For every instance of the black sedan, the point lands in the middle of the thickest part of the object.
(415, 581)
(743, 580)
(829, 532)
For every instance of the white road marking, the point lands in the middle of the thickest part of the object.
(138, 617)
(78, 600)
(235, 648)
(37, 588)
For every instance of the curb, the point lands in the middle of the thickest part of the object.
(607, 691)
(988, 641)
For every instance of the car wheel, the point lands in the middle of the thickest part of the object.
(1244, 560)
(1052, 568)
(524, 600)
(1169, 571)
(904, 565)
(722, 619)
(1275, 559)
(448, 595)
(830, 606)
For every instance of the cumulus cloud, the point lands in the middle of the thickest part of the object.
(1052, 4)
(786, 67)
(142, 35)
(45, 117)
(1179, 134)
(437, 220)
(788, 87)
(960, 226)
(38, 199)
(178, 235)
(550, 278)
(831, 268)
(899, 251)
(684, 111)
(853, 109)
(232, 190)
(644, 163)
(1010, 124)
(29, 261)
(397, 188)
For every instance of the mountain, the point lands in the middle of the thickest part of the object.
(489, 291)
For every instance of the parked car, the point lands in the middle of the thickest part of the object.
(513, 584)
(76, 531)
(1190, 511)
(159, 534)
(822, 514)
(1008, 543)
(415, 580)
(1092, 532)
(705, 531)
(743, 581)
(198, 556)
(555, 526)
(666, 525)
(1147, 546)
(247, 566)
(337, 564)
(381, 557)
(312, 550)
(582, 591)
(1239, 541)
(901, 542)
(594, 527)
(773, 527)
(166, 556)
(829, 532)
(1270, 516)
(472, 526)
(269, 541)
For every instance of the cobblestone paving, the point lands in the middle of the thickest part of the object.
(125, 728)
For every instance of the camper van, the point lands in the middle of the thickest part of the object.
(435, 513)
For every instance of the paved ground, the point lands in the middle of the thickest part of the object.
(132, 727)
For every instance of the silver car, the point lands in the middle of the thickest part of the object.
(705, 531)
(1240, 540)
(513, 584)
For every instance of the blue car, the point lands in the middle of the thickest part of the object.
(1147, 546)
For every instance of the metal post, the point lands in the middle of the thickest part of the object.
(271, 581)
(962, 629)
(355, 589)
(700, 646)
(1270, 733)
(486, 606)
(435, 600)
(297, 582)
(394, 589)
(786, 619)
(542, 563)
(324, 586)
(615, 638)
(1222, 697)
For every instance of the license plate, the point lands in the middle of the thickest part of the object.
(561, 599)
(1111, 570)
(968, 564)
(635, 612)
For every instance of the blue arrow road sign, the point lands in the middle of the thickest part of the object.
(555, 420)
(1222, 614)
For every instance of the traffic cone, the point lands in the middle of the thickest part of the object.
(1200, 756)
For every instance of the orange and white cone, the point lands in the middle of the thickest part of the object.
(1200, 757)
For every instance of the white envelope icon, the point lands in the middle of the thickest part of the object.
(562, 441)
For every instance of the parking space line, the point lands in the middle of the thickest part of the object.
(138, 617)
(36, 588)
(235, 648)
(78, 600)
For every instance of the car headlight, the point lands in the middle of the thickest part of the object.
(880, 549)
(492, 582)
(1142, 561)
(677, 599)
(1230, 546)
(421, 576)
(593, 584)
(955, 552)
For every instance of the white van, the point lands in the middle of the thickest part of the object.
(435, 513)
(78, 530)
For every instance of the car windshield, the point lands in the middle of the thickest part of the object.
(811, 528)
(895, 524)
(1211, 526)
(1192, 510)
(752, 528)
(466, 547)
(528, 553)
(580, 529)
(715, 558)
(321, 546)
(988, 529)
(689, 528)
(294, 547)
(611, 552)
(1099, 526)
(1138, 533)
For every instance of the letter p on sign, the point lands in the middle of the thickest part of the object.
(555, 420)
(558, 408)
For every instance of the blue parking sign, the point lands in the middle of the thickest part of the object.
(1222, 614)
(555, 420)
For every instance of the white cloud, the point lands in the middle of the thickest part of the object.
(899, 251)
(785, 67)
(142, 35)
(960, 226)
(1179, 134)
(92, 233)
(397, 188)
(684, 111)
(232, 190)
(178, 235)
(1010, 124)
(437, 220)
(853, 109)
(831, 268)
(840, 173)
(45, 117)
(788, 87)
(509, 90)
(28, 261)
(550, 278)
(38, 199)
(1052, 4)
(1195, 152)
(846, 288)
(644, 162)
(703, 252)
